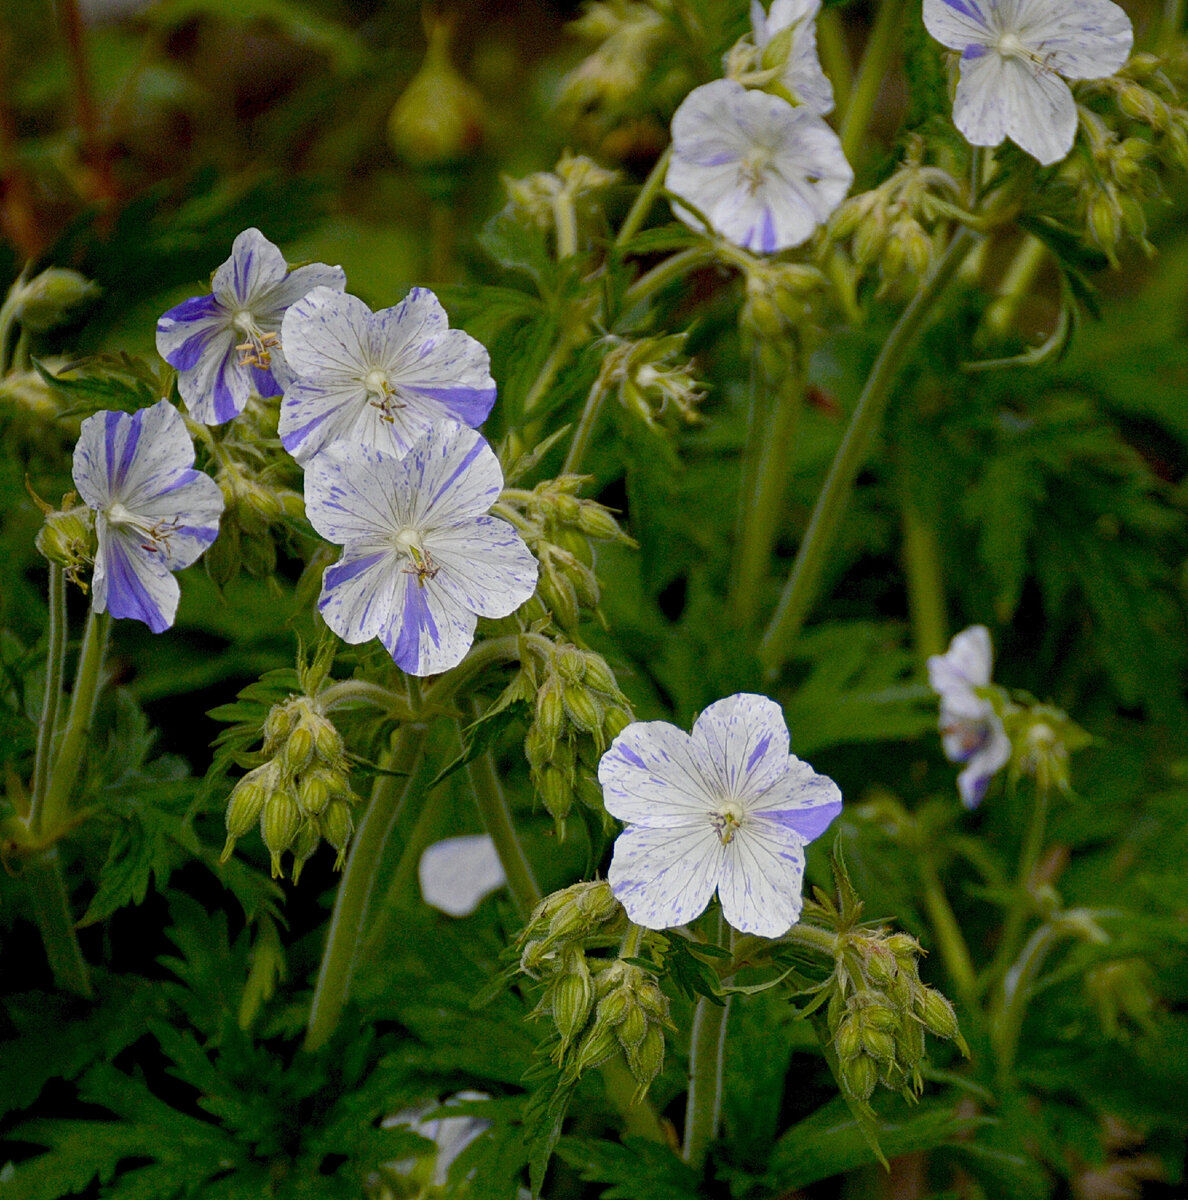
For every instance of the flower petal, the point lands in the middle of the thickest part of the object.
(185, 332)
(664, 877)
(960, 23)
(359, 591)
(800, 800)
(132, 583)
(354, 492)
(994, 754)
(654, 775)
(457, 874)
(453, 475)
(1088, 39)
(187, 513)
(297, 284)
(745, 740)
(255, 267)
(428, 631)
(762, 879)
(484, 564)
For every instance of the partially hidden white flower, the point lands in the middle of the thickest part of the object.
(724, 808)
(802, 76)
(457, 874)
(763, 173)
(450, 1136)
(226, 346)
(155, 514)
(971, 730)
(1015, 56)
(422, 560)
(379, 379)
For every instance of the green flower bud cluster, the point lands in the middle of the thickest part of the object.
(50, 298)
(777, 310)
(558, 527)
(574, 182)
(67, 536)
(599, 1006)
(613, 79)
(879, 1012)
(649, 383)
(579, 710)
(894, 225)
(301, 794)
(1042, 738)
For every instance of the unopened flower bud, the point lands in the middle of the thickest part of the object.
(631, 1030)
(313, 793)
(570, 663)
(596, 521)
(247, 800)
(559, 597)
(937, 1014)
(278, 826)
(1105, 221)
(878, 1043)
(304, 844)
(582, 708)
(298, 750)
(48, 300)
(556, 792)
(337, 825)
(869, 238)
(567, 508)
(596, 1047)
(68, 538)
(277, 725)
(572, 999)
(599, 676)
(646, 1060)
(858, 1077)
(328, 743)
(613, 1007)
(614, 722)
(848, 1039)
(550, 710)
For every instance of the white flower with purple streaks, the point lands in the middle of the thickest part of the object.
(1013, 54)
(226, 346)
(725, 807)
(764, 174)
(971, 729)
(422, 559)
(154, 513)
(378, 379)
(457, 874)
(802, 77)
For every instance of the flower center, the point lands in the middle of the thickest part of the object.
(408, 542)
(380, 392)
(727, 820)
(256, 348)
(1010, 45)
(971, 737)
(755, 165)
(153, 538)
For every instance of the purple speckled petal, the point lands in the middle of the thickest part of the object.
(131, 584)
(654, 775)
(359, 590)
(429, 632)
(762, 878)
(1082, 39)
(484, 564)
(665, 877)
(453, 474)
(960, 23)
(255, 267)
(800, 800)
(354, 493)
(745, 739)
(185, 331)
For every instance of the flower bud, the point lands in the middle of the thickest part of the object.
(582, 708)
(1105, 222)
(646, 1060)
(614, 722)
(277, 725)
(304, 844)
(567, 508)
(550, 710)
(570, 664)
(596, 1047)
(48, 299)
(247, 800)
(537, 747)
(869, 238)
(559, 596)
(556, 792)
(631, 1030)
(937, 1014)
(313, 793)
(858, 1077)
(596, 521)
(337, 825)
(878, 1043)
(572, 996)
(328, 743)
(278, 826)
(68, 538)
(848, 1039)
(613, 1007)
(298, 749)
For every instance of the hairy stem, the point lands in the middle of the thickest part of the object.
(584, 432)
(660, 276)
(359, 880)
(55, 670)
(876, 61)
(1016, 285)
(707, 1057)
(800, 590)
(51, 909)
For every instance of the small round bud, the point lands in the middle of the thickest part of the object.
(313, 793)
(48, 299)
(646, 1060)
(937, 1014)
(278, 826)
(68, 538)
(597, 522)
(570, 664)
(859, 1076)
(582, 708)
(550, 710)
(337, 825)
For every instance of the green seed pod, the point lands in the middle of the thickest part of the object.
(589, 792)
(858, 1077)
(1105, 221)
(596, 1047)
(937, 1014)
(68, 538)
(567, 508)
(550, 710)
(878, 1043)
(337, 825)
(304, 844)
(880, 964)
(278, 826)
(328, 743)
(48, 299)
(537, 748)
(599, 676)
(848, 1039)
(298, 749)
(582, 708)
(597, 902)
(247, 800)
(572, 997)
(631, 1029)
(906, 950)
(614, 1006)
(575, 543)
(653, 1001)
(277, 725)
(646, 1060)
(313, 793)
(869, 238)
(556, 792)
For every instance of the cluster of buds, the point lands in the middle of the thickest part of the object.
(894, 224)
(67, 536)
(653, 380)
(599, 1006)
(558, 527)
(879, 1012)
(548, 200)
(777, 309)
(579, 710)
(1042, 738)
(301, 794)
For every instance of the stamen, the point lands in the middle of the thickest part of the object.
(727, 821)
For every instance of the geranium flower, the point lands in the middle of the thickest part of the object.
(422, 560)
(1013, 55)
(226, 346)
(457, 874)
(802, 76)
(764, 174)
(449, 1135)
(377, 379)
(724, 808)
(971, 730)
(154, 513)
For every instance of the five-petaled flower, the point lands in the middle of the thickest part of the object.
(155, 514)
(1013, 55)
(801, 77)
(422, 559)
(764, 174)
(226, 346)
(971, 729)
(377, 379)
(726, 808)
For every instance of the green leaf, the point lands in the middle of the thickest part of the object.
(544, 1114)
(519, 247)
(635, 1170)
(107, 382)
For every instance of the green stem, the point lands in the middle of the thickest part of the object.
(358, 884)
(949, 939)
(565, 219)
(707, 1056)
(51, 907)
(1007, 1023)
(1016, 284)
(492, 805)
(8, 312)
(644, 201)
(813, 937)
(64, 773)
(876, 61)
(800, 590)
(775, 413)
(548, 372)
(584, 432)
(660, 276)
(20, 355)
(925, 581)
(55, 671)
(835, 58)
(1172, 25)
(359, 691)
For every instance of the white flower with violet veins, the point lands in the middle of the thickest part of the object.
(725, 808)
(1015, 56)
(377, 379)
(802, 76)
(422, 560)
(155, 514)
(226, 346)
(970, 728)
(764, 174)
(457, 874)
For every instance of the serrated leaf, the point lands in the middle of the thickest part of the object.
(544, 1114)
(635, 1169)
(105, 382)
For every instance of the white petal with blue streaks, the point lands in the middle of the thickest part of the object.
(665, 877)
(762, 879)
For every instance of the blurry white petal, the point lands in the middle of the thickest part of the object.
(1088, 39)
(960, 23)
(457, 874)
